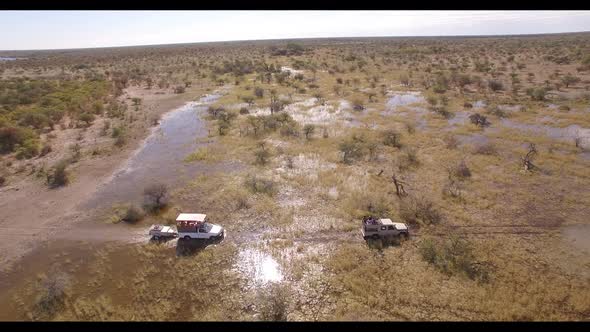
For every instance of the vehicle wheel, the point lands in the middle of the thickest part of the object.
(156, 238)
(375, 237)
(404, 236)
(187, 237)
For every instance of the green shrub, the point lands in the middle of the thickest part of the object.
(453, 256)
(58, 176)
(11, 137)
(28, 149)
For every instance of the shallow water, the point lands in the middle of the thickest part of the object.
(459, 118)
(479, 104)
(568, 132)
(259, 267)
(6, 58)
(403, 99)
(161, 157)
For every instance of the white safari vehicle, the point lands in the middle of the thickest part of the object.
(197, 226)
(161, 231)
(377, 228)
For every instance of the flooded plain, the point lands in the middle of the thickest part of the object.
(162, 156)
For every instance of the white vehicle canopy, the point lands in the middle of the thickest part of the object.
(190, 222)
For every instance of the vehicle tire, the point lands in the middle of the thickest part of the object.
(187, 237)
(404, 236)
(375, 237)
(157, 238)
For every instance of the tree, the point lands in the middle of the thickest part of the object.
(527, 160)
(155, 197)
(308, 130)
(276, 105)
(568, 80)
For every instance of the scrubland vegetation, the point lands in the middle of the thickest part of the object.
(480, 145)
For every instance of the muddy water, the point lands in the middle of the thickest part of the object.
(403, 99)
(578, 236)
(161, 157)
(479, 104)
(566, 133)
(259, 267)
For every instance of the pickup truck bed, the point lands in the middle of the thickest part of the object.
(158, 231)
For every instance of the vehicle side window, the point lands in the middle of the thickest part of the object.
(383, 228)
(202, 230)
(390, 228)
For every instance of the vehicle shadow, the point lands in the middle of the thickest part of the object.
(385, 242)
(189, 247)
(161, 240)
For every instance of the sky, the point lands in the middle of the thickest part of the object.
(26, 30)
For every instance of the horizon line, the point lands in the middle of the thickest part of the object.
(288, 39)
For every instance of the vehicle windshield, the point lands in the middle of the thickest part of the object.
(207, 227)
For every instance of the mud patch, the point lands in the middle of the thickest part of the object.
(258, 267)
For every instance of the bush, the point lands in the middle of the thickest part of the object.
(59, 176)
(409, 159)
(308, 130)
(87, 118)
(537, 93)
(420, 211)
(11, 137)
(289, 129)
(461, 170)
(28, 149)
(179, 89)
(52, 295)
(486, 149)
(133, 214)
(259, 92)
(262, 155)
(392, 138)
(45, 150)
(244, 111)
(451, 142)
(352, 149)
(497, 111)
(495, 85)
(155, 197)
(453, 256)
(479, 120)
(358, 104)
(259, 185)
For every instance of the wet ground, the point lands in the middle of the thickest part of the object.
(161, 159)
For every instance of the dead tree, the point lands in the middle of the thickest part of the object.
(527, 160)
(399, 186)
